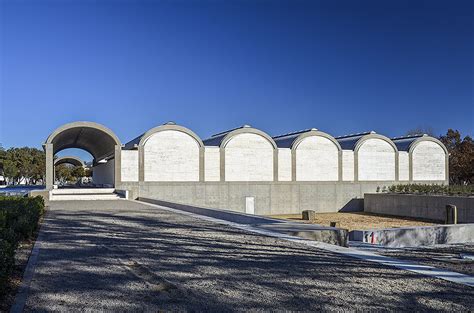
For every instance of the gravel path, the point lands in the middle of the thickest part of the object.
(441, 256)
(127, 256)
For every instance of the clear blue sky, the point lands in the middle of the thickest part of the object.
(339, 66)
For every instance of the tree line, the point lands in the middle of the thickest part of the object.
(461, 157)
(22, 165)
(27, 165)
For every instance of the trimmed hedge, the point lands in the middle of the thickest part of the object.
(464, 190)
(19, 219)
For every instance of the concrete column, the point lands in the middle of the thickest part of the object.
(293, 164)
(397, 166)
(141, 163)
(275, 164)
(339, 165)
(447, 168)
(222, 163)
(202, 165)
(356, 165)
(118, 166)
(410, 167)
(49, 166)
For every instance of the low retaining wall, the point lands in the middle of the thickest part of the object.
(42, 193)
(429, 207)
(331, 235)
(268, 197)
(416, 236)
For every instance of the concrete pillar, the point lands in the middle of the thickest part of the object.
(275, 164)
(202, 165)
(118, 166)
(293, 164)
(339, 165)
(446, 160)
(356, 165)
(141, 163)
(308, 215)
(451, 214)
(397, 166)
(222, 163)
(49, 166)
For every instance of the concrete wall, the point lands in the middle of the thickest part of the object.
(347, 165)
(171, 156)
(248, 157)
(376, 161)
(104, 173)
(403, 166)
(129, 165)
(428, 161)
(270, 197)
(212, 164)
(317, 159)
(284, 164)
(419, 206)
(416, 236)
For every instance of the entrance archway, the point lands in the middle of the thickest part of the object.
(98, 140)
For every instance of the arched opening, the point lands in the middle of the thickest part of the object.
(71, 171)
(94, 138)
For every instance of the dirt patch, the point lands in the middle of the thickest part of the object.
(359, 220)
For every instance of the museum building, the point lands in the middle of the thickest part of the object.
(307, 169)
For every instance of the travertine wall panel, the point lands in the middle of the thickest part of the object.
(212, 164)
(347, 165)
(428, 161)
(248, 157)
(376, 160)
(284, 164)
(403, 166)
(129, 165)
(316, 159)
(171, 155)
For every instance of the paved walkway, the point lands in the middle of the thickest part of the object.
(123, 255)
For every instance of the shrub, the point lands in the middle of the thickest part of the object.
(19, 219)
(466, 190)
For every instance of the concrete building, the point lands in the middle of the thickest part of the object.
(245, 169)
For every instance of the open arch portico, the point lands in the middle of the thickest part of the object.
(94, 138)
(69, 160)
(72, 160)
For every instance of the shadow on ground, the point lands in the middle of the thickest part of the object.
(121, 255)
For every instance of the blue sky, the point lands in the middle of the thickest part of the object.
(339, 66)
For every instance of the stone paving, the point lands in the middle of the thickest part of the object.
(128, 256)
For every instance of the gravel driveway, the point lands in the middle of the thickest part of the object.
(127, 256)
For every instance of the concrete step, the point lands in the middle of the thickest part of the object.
(66, 197)
(72, 194)
(78, 191)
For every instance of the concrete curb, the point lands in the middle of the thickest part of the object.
(231, 216)
(330, 235)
